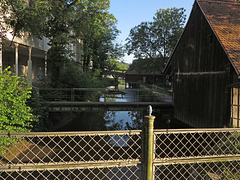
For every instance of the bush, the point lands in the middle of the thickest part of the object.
(73, 76)
(40, 110)
(15, 115)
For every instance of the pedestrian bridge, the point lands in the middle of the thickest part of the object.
(109, 106)
(70, 100)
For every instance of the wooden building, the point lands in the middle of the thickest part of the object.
(134, 75)
(205, 66)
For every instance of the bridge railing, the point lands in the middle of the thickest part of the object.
(94, 94)
(161, 154)
(71, 94)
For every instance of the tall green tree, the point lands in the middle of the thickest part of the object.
(155, 40)
(142, 42)
(62, 21)
(96, 27)
(58, 30)
(167, 27)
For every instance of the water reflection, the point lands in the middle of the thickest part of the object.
(104, 120)
(101, 120)
(114, 120)
(83, 121)
(123, 120)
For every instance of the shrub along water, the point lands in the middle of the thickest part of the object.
(15, 115)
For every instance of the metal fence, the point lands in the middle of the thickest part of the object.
(176, 154)
(197, 154)
(71, 155)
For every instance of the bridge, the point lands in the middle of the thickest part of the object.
(116, 73)
(71, 100)
(109, 106)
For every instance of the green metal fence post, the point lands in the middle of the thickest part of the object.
(148, 145)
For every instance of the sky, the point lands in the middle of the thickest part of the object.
(131, 13)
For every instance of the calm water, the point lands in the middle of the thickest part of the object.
(115, 120)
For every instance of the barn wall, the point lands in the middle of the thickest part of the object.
(199, 66)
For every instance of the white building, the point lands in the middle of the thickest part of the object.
(27, 55)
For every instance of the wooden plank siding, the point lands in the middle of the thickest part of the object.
(199, 100)
(200, 76)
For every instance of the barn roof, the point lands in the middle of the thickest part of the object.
(134, 69)
(224, 18)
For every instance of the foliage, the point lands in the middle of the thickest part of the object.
(114, 65)
(63, 21)
(156, 40)
(147, 65)
(96, 27)
(142, 42)
(40, 110)
(41, 18)
(74, 76)
(122, 65)
(228, 145)
(168, 26)
(15, 115)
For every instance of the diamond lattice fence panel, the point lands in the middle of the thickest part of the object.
(47, 148)
(197, 143)
(206, 170)
(125, 172)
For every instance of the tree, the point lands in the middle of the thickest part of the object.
(96, 27)
(15, 115)
(155, 40)
(38, 19)
(62, 21)
(2, 32)
(58, 31)
(1, 35)
(142, 42)
(167, 27)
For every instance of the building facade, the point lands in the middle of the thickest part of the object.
(205, 66)
(27, 55)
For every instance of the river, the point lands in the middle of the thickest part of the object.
(116, 120)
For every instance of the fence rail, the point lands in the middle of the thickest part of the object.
(176, 154)
(56, 148)
(94, 94)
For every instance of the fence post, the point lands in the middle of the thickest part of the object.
(72, 95)
(148, 149)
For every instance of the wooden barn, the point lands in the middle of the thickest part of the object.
(134, 75)
(205, 66)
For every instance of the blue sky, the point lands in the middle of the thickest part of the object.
(130, 13)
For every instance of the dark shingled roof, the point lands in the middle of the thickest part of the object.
(224, 18)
